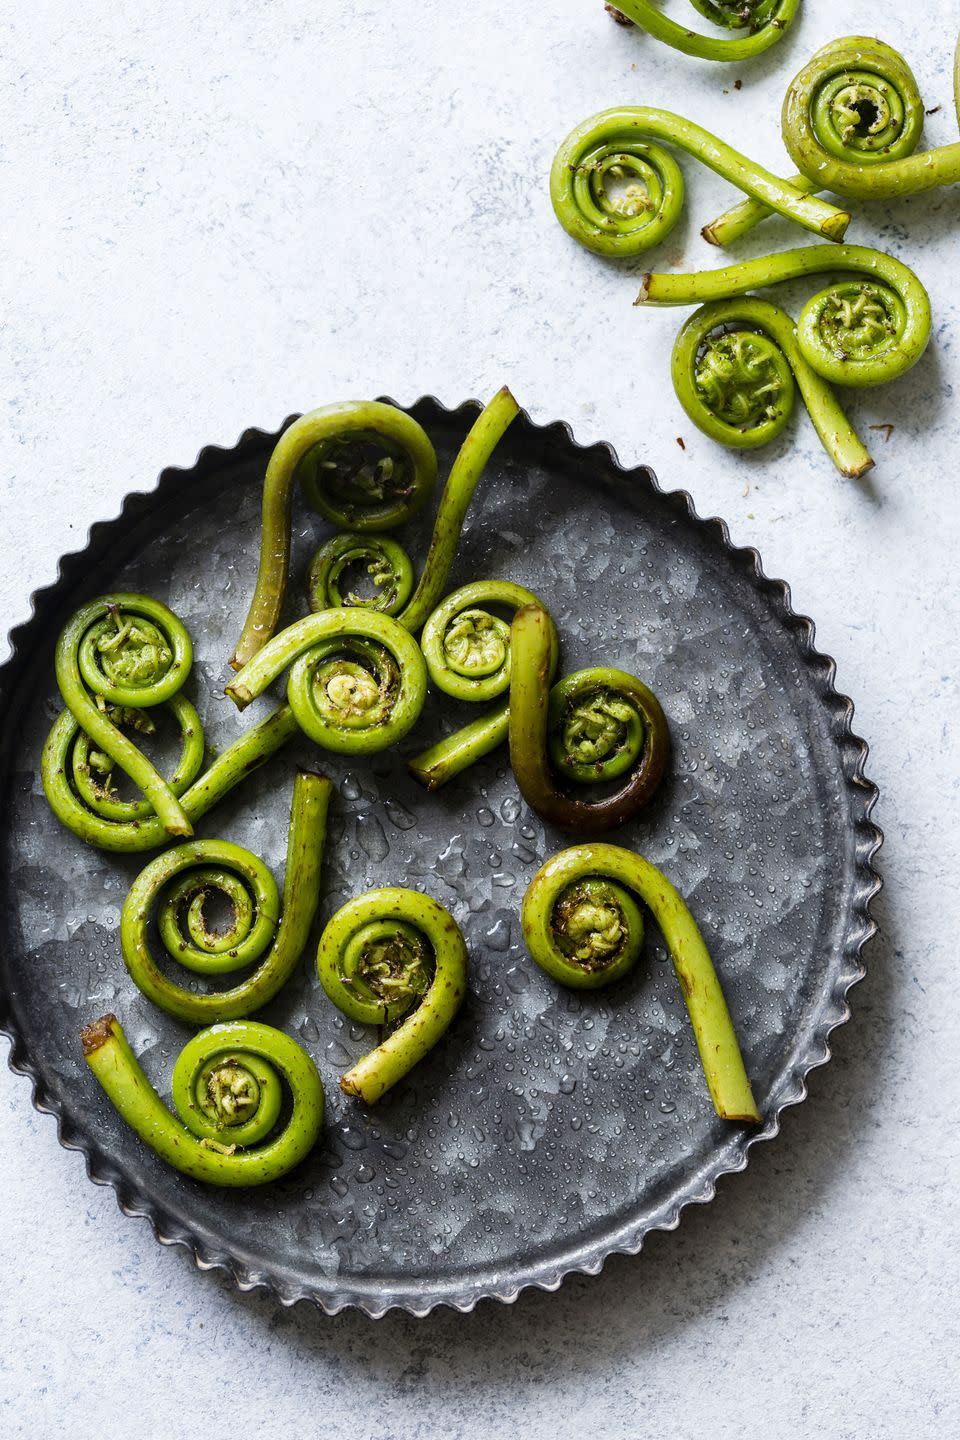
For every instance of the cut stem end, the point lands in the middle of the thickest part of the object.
(94, 1036)
(240, 695)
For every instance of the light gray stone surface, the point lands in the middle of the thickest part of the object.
(216, 215)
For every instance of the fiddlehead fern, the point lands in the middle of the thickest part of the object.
(369, 479)
(331, 449)
(107, 823)
(765, 22)
(599, 724)
(852, 120)
(117, 657)
(583, 927)
(596, 723)
(484, 435)
(864, 331)
(385, 562)
(91, 771)
(736, 369)
(467, 646)
(620, 146)
(357, 679)
(228, 1093)
(467, 650)
(179, 884)
(393, 957)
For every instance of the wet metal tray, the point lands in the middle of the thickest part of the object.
(549, 1128)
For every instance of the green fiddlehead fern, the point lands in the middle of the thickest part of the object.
(600, 725)
(736, 369)
(357, 678)
(618, 192)
(484, 435)
(331, 449)
(596, 724)
(228, 1091)
(117, 657)
(108, 824)
(369, 479)
(395, 958)
(765, 22)
(467, 646)
(582, 925)
(863, 331)
(385, 562)
(852, 121)
(178, 886)
(477, 642)
(741, 218)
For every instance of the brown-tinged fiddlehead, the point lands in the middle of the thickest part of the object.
(595, 725)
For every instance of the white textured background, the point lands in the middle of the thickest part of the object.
(216, 214)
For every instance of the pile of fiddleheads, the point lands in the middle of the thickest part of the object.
(367, 467)
(764, 21)
(852, 122)
(363, 465)
(356, 682)
(860, 332)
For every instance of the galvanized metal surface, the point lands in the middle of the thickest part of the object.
(549, 1130)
